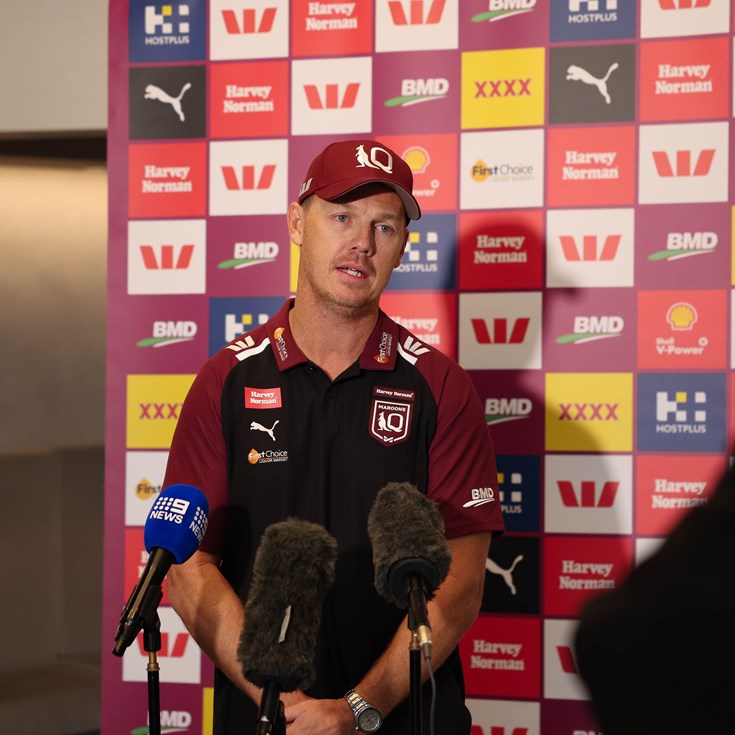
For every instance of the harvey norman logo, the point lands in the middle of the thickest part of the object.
(583, 166)
(247, 99)
(491, 249)
(684, 79)
(502, 9)
(330, 16)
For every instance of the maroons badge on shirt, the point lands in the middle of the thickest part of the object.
(391, 415)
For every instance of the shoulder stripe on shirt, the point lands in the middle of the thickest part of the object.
(243, 354)
(411, 349)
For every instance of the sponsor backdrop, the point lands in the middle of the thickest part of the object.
(572, 161)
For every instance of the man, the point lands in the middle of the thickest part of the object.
(310, 416)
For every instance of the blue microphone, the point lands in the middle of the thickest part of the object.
(173, 531)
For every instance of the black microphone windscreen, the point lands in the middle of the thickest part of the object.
(407, 535)
(293, 570)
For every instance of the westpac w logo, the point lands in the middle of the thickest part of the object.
(587, 496)
(249, 23)
(165, 257)
(328, 97)
(500, 334)
(420, 12)
(683, 4)
(681, 164)
(589, 249)
(247, 180)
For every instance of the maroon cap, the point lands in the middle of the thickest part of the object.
(344, 166)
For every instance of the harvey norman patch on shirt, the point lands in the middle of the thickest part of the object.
(391, 414)
(262, 397)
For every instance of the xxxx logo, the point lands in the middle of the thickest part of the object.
(502, 88)
(588, 411)
(159, 411)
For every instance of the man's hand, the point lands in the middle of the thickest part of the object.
(320, 717)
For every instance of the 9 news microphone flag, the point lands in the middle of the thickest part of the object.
(173, 531)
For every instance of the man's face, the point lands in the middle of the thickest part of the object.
(349, 247)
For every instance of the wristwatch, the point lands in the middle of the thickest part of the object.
(367, 717)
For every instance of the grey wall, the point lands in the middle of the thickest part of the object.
(53, 66)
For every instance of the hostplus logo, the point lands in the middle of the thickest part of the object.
(593, 11)
(418, 259)
(249, 22)
(414, 91)
(684, 412)
(169, 333)
(235, 326)
(590, 328)
(246, 254)
(167, 24)
(510, 492)
(420, 12)
(500, 410)
(685, 244)
(502, 9)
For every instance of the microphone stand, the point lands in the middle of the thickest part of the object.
(271, 716)
(414, 697)
(152, 644)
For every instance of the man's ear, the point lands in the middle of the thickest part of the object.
(295, 220)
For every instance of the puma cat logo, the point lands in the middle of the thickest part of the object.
(156, 93)
(578, 74)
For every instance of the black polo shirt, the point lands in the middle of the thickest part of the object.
(267, 435)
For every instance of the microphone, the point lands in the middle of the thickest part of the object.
(410, 553)
(293, 569)
(173, 531)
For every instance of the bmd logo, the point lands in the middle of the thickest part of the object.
(169, 333)
(249, 22)
(502, 9)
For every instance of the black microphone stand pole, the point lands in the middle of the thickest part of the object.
(152, 644)
(414, 656)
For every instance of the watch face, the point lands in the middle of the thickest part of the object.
(369, 720)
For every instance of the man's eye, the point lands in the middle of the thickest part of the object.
(341, 218)
(385, 229)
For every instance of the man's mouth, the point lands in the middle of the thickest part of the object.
(353, 272)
